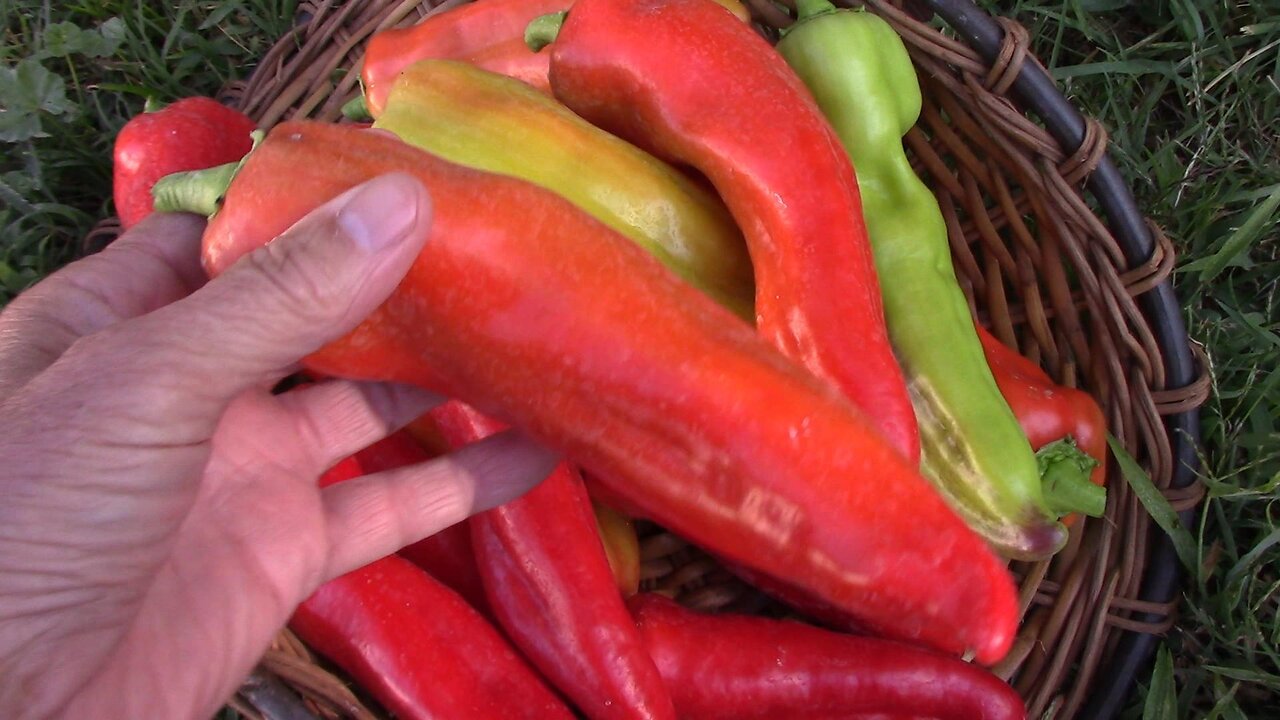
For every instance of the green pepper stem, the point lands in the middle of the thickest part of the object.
(194, 191)
(356, 109)
(1064, 477)
(542, 30)
(198, 191)
(806, 9)
(153, 104)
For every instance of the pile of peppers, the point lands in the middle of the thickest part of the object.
(701, 267)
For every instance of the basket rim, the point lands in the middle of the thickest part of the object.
(1041, 96)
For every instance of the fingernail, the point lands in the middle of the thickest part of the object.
(380, 213)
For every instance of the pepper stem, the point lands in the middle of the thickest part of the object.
(1064, 477)
(194, 191)
(806, 9)
(542, 30)
(198, 191)
(356, 109)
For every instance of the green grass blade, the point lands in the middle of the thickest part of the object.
(1156, 505)
(1261, 219)
(1161, 698)
(1247, 674)
(1246, 563)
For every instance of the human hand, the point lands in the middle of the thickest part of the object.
(161, 518)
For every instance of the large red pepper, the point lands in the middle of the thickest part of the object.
(191, 134)
(551, 589)
(447, 555)
(643, 70)
(530, 310)
(415, 645)
(463, 32)
(739, 667)
(1048, 412)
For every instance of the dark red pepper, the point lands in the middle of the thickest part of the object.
(415, 645)
(739, 667)
(642, 70)
(191, 134)
(1049, 412)
(419, 648)
(551, 589)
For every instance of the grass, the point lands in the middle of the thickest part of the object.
(73, 73)
(1189, 89)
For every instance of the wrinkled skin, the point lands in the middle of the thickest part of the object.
(161, 518)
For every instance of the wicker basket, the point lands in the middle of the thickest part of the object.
(1053, 255)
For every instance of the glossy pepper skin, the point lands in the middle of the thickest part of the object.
(469, 30)
(1049, 412)
(551, 589)
(531, 311)
(739, 667)
(640, 69)
(973, 449)
(489, 122)
(415, 645)
(191, 134)
(447, 555)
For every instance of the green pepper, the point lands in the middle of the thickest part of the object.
(489, 122)
(972, 447)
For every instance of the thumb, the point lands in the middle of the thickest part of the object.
(277, 304)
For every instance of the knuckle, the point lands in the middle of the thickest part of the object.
(303, 279)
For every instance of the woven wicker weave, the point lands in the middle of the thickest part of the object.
(1039, 266)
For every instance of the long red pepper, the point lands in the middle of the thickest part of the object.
(419, 648)
(447, 555)
(738, 667)
(530, 310)
(458, 33)
(416, 646)
(552, 591)
(642, 70)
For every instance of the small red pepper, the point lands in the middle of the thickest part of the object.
(739, 667)
(191, 134)
(447, 555)
(640, 69)
(459, 33)
(415, 645)
(528, 309)
(1049, 412)
(551, 589)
